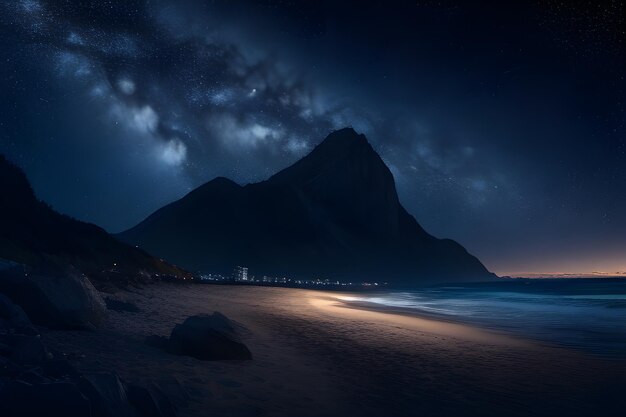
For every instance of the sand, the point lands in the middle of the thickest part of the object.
(315, 355)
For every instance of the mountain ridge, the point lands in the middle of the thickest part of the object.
(34, 234)
(334, 213)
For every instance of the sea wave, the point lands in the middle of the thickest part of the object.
(589, 316)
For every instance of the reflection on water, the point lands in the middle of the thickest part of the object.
(584, 314)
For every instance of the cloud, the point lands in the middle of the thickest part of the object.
(207, 90)
(31, 6)
(174, 152)
(144, 119)
(72, 64)
(297, 146)
(75, 39)
(242, 134)
(126, 86)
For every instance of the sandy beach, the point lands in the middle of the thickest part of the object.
(315, 355)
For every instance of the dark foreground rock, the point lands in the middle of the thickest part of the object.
(35, 381)
(54, 399)
(205, 337)
(106, 393)
(150, 401)
(30, 394)
(64, 300)
(13, 316)
(11, 312)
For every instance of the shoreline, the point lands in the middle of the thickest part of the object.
(354, 300)
(419, 320)
(313, 356)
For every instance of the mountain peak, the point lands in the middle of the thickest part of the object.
(345, 134)
(340, 149)
(342, 140)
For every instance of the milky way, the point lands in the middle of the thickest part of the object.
(503, 127)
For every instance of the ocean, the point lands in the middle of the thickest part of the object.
(584, 314)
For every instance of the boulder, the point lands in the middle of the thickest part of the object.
(208, 337)
(13, 318)
(106, 393)
(149, 402)
(175, 391)
(65, 300)
(12, 313)
(54, 399)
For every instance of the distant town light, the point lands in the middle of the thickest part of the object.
(241, 275)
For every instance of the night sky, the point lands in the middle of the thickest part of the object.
(503, 125)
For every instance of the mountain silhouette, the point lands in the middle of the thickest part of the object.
(32, 233)
(333, 214)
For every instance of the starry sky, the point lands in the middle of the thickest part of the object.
(503, 125)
